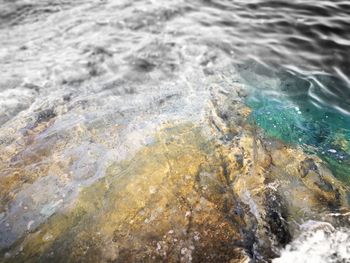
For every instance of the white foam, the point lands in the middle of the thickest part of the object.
(320, 242)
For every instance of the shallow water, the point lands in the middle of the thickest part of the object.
(223, 124)
(284, 105)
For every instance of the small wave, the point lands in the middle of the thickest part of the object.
(320, 242)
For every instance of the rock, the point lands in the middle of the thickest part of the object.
(215, 190)
(277, 217)
(306, 166)
(45, 115)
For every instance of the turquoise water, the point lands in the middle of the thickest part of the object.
(285, 108)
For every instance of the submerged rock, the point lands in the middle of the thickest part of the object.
(189, 197)
(197, 183)
(306, 166)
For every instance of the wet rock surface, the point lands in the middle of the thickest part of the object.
(214, 190)
(126, 138)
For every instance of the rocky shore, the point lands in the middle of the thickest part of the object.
(199, 184)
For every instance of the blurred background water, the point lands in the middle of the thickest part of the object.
(64, 42)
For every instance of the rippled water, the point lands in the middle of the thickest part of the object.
(86, 85)
(288, 106)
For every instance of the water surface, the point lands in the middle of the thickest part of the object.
(242, 107)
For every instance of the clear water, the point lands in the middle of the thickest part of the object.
(287, 106)
(89, 89)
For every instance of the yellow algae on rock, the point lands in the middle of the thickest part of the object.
(190, 196)
(154, 207)
(341, 141)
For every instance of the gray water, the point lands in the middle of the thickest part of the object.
(50, 43)
(94, 67)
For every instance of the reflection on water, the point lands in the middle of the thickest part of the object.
(295, 109)
(173, 131)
